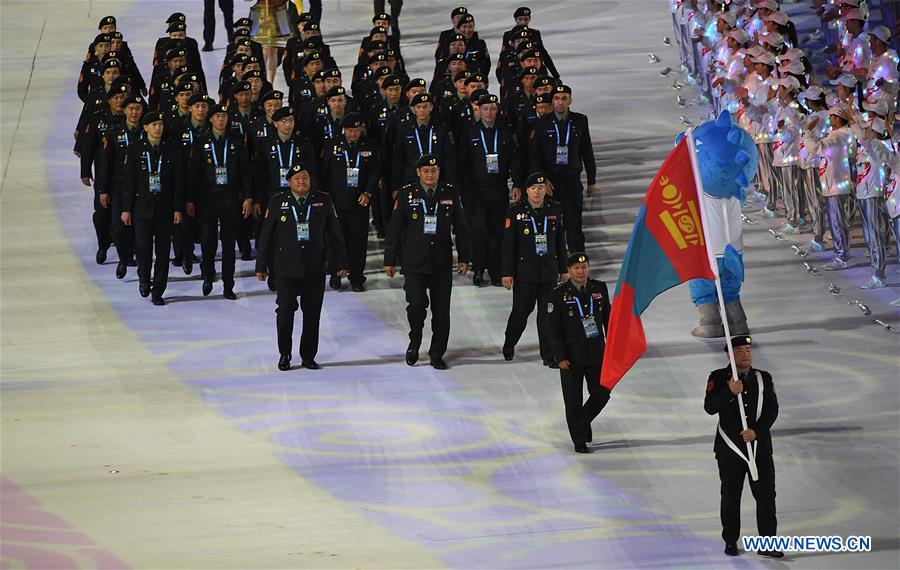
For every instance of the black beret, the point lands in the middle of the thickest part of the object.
(199, 98)
(543, 98)
(311, 57)
(456, 57)
(562, 89)
(536, 178)
(374, 58)
(466, 19)
(464, 74)
(151, 117)
(304, 18)
(319, 75)
(110, 55)
(477, 94)
(528, 71)
(106, 21)
(134, 99)
(243, 22)
(175, 17)
(382, 72)
(457, 38)
(273, 95)
(422, 98)
(523, 11)
(242, 33)
(376, 45)
(544, 80)
(219, 108)
(377, 30)
(390, 53)
(243, 42)
(352, 120)
(335, 91)
(241, 86)
(427, 160)
(312, 26)
(525, 46)
(741, 340)
(119, 86)
(531, 53)
(253, 74)
(392, 81)
(459, 11)
(237, 58)
(315, 42)
(252, 59)
(417, 82)
(523, 33)
(577, 257)
(184, 85)
(111, 63)
(488, 99)
(101, 39)
(115, 36)
(173, 53)
(475, 78)
(332, 72)
(176, 27)
(282, 113)
(381, 16)
(294, 170)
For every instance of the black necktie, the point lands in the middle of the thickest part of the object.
(430, 192)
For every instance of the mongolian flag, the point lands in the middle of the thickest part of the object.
(666, 248)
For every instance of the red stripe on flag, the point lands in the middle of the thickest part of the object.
(626, 340)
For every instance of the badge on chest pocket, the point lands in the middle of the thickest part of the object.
(221, 176)
(352, 177)
(492, 161)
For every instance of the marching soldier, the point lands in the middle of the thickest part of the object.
(220, 179)
(92, 68)
(426, 213)
(177, 32)
(153, 200)
(560, 144)
(579, 318)
(270, 102)
(761, 410)
(534, 261)
(419, 137)
(162, 84)
(350, 173)
(300, 232)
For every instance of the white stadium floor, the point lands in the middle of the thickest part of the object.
(146, 437)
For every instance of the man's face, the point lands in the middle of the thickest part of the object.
(489, 112)
(392, 94)
(199, 111)
(255, 86)
(543, 89)
(108, 29)
(175, 63)
(285, 126)
(561, 102)
(115, 44)
(133, 113)
(523, 20)
(423, 111)
(381, 24)
(379, 37)
(181, 99)
(219, 121)
(457, 47)
(299, 182)
(115, 102)
(110, 75)
(154, 130)
(877, 46)
(531, 62)
(101, 49)
(413, 91)
(353, 134)
(242, 98)
(271, 106)
(244, 50)
(456, 66)
(251, 67)
(319, 87)
(855, 27)
(536, 193)
(337, 105)
(314, 66)
(460, 85)
(332, 82)
(543, 109)
(528, 81)
(579, 271)
(178, 35)
(428, 175)
(743, 357)
(376, 65)
(473, 85)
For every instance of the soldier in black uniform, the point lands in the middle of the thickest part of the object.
(534, 261)
(350, 172)
(91, 69)
(561, 142)
(270, 102)
(490, 156)
(177, 32)
(423, 135)
(579, 318)
(162, 84)
(300, 232)
(219, 175)
(761, 409)
(153, 200)
(88, 145)
(447, 35)
(426, 213)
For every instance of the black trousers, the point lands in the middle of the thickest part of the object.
(311, 292)
(525, 296)
(568, 191)
(732, 470)
(122, 235)
(184, 235)
(578, 414)
(420, 288)
(315, 9)
(396, 6)
(219, 218)
(153, 235)
(102, 223)
(209, 19)
(355, 229)
(489, 207)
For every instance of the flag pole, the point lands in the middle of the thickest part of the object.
(713, 264)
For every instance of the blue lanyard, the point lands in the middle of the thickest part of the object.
(150, 163)
(430, 140)
(297, 214)
(281, 158)
(568, 132)
(347, 158)
(534, 225)
(224, 153)
(484, 142)
(330, 128)
(127, 142)
(577, 303)
(437, 203)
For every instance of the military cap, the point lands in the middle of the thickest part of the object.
(319, 75)
(376, 58)
(315, 42)
(416, 82)
(475, 78)
(175, 17)
(101, 39)
(562, 89)
(377, 30)
(459, 11)
(488, 99)
(531, 53)
(304, 18)
(381, 16)
(525, 46)
(252, 59)
(311, 57)
(219, 108)
(392, 81)
(545, 80)
(176, 27)
(740, 340)
(115, 35)
(332, 72)
(543, 98)
(577, 257)
(523, 11)
(536, 178)
(243, 42)
(241, 86)
(200, 98)
(253, 74)
(390, 53)
(242, 33)
(466, 19)
(464, 74)
(528, 71)
(272, 95)
(111, 63)
(183, 86)
(295, 170)
(282, 113)
(119, 86)
(375, 45)
(427, 160)
(352, 120)
(335, 92)
(184, 74)
(134, 100)
(312, 26)
(382, 72)
(107, 21)
(243, 23)
(422, 98)
(173, 53)
(457, 38)
(237, 58)
(151, 117)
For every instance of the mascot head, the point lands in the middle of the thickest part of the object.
(726, 155)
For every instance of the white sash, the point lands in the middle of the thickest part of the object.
(759, 405)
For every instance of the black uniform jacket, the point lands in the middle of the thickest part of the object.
(567, 334)
(202, 167)
(542, 150)
(337, 159)
(520, 259)
(720, 400)
(167, 161)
